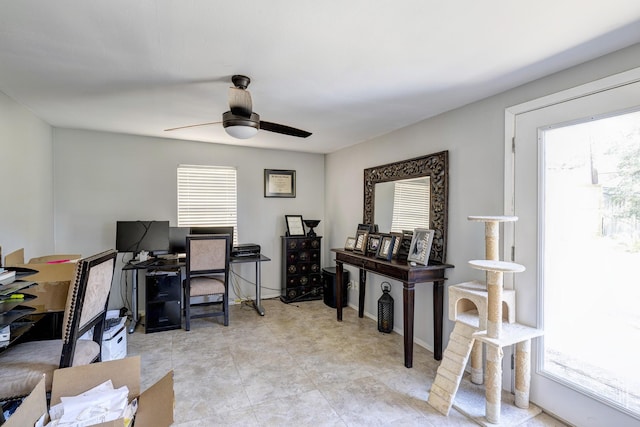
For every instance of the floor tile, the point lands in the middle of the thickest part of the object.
(295, 366)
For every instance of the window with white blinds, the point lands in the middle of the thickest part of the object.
(410, 205)
(207, 196)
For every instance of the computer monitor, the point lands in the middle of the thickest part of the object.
(178, 239)
(136, 236)
(214, 230)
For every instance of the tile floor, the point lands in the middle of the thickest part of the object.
(296, 366)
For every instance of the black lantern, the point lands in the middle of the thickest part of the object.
(385, 309)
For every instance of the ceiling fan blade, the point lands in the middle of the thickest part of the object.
(240, 102)
(192, 126)
(287, 130)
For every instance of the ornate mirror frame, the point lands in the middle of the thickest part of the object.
(436, 167)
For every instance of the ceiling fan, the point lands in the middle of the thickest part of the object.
(240, 121)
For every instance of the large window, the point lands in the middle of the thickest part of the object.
(207, 196)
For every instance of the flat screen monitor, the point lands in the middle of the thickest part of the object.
(136, 236)
(178, 239)
(214, 230)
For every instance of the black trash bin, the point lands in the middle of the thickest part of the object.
(329, 284)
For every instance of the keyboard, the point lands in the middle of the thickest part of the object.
(143, 264)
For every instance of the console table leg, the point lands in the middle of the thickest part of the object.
(438, 312)
(339, 296)
(408, 299)
(361, 292)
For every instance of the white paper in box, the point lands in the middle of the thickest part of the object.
(155, 404)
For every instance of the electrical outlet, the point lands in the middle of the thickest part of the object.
(353, 285)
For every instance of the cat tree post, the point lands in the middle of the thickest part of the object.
(492, 252)
(495, 271)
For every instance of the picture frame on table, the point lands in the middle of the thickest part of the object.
(405, 245)
(365, 227)
(279, 183)
(350, 244)
(361, 242)
(385, 248)
(295, 225)
(372, 244)
(421, 246)
(396, 244)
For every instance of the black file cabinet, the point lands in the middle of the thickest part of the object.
(301, 271)
(163, 301)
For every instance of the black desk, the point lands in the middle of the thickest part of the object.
(409, 275)
(160, 264)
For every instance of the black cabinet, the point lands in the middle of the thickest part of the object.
(330, 286)
(301, 268)
(163, 301)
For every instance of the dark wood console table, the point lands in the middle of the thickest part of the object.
(409, 276)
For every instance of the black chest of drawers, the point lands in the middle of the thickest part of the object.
(301, 268)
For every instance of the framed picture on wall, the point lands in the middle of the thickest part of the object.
(279, 183)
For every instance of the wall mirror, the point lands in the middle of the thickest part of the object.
(427, 179)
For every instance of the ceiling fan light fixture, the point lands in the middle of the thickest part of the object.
(241, 127)
(241, 131)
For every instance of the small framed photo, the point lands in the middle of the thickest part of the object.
(396, 244)
(421, 246)
(372, 244)
(295, 226)
(385, 248)
(364, 227)
(279, 183)
(405, 245)
(350, 244)
(361, 242)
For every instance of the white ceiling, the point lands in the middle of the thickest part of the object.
(345, 70)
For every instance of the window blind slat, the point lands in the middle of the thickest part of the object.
(410, 206)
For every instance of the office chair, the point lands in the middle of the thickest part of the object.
(207, 275)
(22, 365)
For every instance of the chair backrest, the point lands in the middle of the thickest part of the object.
(208, 253)
(87, 301)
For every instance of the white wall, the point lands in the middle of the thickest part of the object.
(26, 199)
(474, 137)
(100, 178)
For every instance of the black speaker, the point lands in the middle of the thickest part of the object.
(329, 284)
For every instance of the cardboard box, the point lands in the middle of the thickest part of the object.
(52, 285)
(155, 405)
